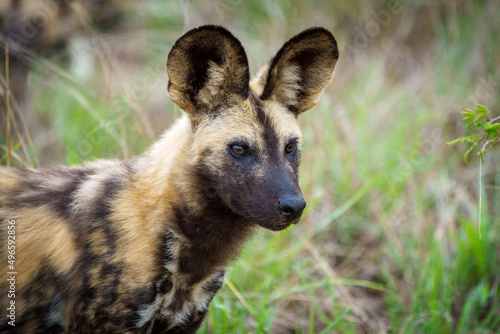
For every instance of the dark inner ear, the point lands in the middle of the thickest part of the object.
(311, 57)
(200, 57)
(305, 57)
(207, 67)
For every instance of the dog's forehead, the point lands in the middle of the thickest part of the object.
(259, 123)
(276, 117)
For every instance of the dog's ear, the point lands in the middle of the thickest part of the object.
(300, 70)
(207, 68)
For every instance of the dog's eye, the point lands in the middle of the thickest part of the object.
(239, 149)
(290, 148)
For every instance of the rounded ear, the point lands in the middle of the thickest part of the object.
(207, 68)
(301, 69)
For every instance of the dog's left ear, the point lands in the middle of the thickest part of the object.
(300, 70)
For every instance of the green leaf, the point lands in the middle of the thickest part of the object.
(492, 126)
(491, 133)
(478, 117)
(469, 139)
(481, 155)
(16, 146)
(468, 151)
(483, 109)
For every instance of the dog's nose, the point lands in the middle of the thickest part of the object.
(291, 206)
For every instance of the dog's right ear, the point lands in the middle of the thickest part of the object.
(207, 68)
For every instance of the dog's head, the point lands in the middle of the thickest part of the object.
(246, 136)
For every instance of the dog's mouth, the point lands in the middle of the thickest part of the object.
(274, 220)
(280, 226)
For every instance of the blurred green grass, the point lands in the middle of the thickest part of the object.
(390, 241)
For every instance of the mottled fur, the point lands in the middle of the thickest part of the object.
(141, 246)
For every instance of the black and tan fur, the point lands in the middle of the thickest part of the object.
(141, 246)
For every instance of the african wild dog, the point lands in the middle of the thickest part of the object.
(141, 246)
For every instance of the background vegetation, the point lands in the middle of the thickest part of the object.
(391, 241)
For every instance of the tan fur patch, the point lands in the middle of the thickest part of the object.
(50, 231)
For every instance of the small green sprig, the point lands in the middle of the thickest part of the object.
(490, 133)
